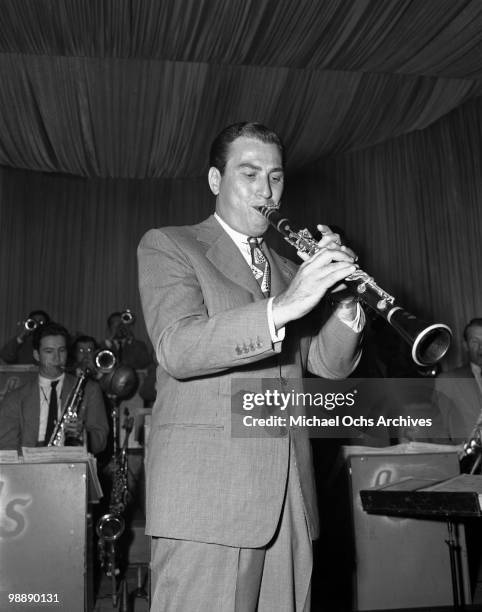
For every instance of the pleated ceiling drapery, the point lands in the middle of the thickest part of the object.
(137, 89)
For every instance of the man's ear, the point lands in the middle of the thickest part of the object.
(214, 179)
(36, 355)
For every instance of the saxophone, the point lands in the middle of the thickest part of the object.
(110, 526)
(471, 454)
(70, 414)
(104, 361)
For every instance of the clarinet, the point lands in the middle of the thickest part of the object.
(429, 341)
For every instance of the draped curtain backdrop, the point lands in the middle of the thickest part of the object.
(412, 209)
(107, 110)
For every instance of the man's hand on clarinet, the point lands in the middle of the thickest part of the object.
(331, 240)
(314, 278)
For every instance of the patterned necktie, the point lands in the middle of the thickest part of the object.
(260, 266)
(53, 407)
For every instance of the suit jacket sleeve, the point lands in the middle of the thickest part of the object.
(334, 352)
(10, 422)
(189, 341)
(96, 423)
(9, 352)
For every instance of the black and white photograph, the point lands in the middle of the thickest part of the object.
(241, 305)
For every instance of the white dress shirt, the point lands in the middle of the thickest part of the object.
(45, 389)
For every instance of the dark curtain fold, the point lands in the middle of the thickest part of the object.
(411, 208)
(132, 89)
(68, 245)
(148, 119)
(437, 37)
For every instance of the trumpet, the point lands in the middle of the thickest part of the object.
(104, 361)
(429, 341)
(128, 317)
(30, 325)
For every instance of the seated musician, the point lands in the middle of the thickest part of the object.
(28, 414)
(121, 340)
(83, 353)
(458, 392)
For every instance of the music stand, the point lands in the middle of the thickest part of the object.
(451, 500)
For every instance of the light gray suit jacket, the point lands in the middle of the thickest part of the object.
(207, 319)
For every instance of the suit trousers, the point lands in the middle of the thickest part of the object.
(201, 577)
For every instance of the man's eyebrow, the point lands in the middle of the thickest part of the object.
(255, 167)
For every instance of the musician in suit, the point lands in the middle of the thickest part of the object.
(19, 350)
(127, 348)
(83, 352)
(26, 416)
(458, 392)
(233, 519)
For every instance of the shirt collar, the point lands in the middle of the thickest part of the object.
(45, 382)
(237, 237)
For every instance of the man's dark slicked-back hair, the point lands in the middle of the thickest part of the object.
(49, 329)
(219, 149)
(112, 316)
(84, 339)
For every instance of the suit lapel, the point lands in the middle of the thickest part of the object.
(31, 415)
(225, 255)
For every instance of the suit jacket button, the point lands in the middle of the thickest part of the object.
(259, 344)
(245, 348)
(238, 350)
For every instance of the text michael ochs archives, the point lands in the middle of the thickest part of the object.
(343, 409)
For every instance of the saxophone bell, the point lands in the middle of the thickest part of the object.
(110, 527)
